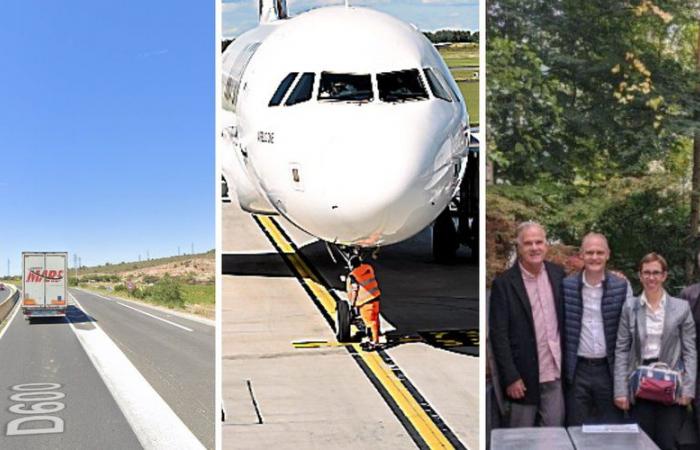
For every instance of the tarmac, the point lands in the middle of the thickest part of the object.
(278, 290)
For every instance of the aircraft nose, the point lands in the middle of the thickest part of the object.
(386, 186)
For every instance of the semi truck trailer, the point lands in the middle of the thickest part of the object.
(45, 284)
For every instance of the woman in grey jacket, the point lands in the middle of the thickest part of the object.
(655, 327)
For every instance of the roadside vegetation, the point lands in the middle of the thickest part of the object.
(181, 282)
(17, 281)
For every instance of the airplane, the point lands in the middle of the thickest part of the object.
(347, 122)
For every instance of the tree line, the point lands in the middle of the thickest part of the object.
(452, 36)
(593, 123)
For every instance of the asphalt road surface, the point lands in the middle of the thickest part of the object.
(110, 375)
(5, 293)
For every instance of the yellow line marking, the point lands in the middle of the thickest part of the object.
(427, 429)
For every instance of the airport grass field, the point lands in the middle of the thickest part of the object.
(463, 61)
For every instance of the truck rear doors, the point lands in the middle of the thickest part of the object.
(44, 284)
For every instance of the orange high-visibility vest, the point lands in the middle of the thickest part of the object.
(368, 288)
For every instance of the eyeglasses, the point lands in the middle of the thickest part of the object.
(652, 273)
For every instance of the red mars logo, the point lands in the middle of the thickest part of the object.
(36, 275)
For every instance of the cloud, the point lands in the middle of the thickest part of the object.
(230, 31)
(229, 7)
(152, 53)
(449, 2)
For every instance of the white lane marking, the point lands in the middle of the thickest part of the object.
(156, 317)
(98, 295)
(156, 425)
(9, 322)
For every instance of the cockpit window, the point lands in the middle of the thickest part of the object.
(401, 86)
(282, 89)
(455, 96)
(435, 85)
(345, 87)
(303, 90)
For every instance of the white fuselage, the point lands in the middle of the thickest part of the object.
(358, 172)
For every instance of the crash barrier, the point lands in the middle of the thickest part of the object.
(8, 303)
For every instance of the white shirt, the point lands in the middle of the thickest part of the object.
(592, 340)
(655, 327)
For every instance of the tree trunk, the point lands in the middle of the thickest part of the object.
(695, 194)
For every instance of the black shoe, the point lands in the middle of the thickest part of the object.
(371, 347)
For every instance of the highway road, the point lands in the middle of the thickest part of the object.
(113, 374)
(5, 293)
(286, 382)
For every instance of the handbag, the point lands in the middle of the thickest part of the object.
(656, 382)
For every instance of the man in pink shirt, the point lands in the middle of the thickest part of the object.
(525, 313)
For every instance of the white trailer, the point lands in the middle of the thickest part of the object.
(44, 285)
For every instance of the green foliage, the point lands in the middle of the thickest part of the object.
(73, 281)
(200, 294)
(452, 36)
(150, 279)
(650, 220)
(166, 291)
(588, 90)
(120, 288)
(637, 215)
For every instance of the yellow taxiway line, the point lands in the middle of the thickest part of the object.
(409, 406)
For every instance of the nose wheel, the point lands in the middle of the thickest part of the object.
(445, 239)
(343, 320)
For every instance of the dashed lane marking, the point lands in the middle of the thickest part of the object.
(156, 317)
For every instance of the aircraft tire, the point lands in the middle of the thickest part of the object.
(342, 321)
(224, 188)
(445, 238)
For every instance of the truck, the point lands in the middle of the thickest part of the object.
(44, 284)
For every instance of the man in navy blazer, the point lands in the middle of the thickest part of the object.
(524, 321)
(593, 300)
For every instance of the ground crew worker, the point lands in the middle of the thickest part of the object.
(363, 293)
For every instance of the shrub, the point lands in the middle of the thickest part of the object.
(166, 291)
(150, 279)
(120, 288)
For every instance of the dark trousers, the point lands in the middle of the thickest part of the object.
(590, 397)
(662, 423)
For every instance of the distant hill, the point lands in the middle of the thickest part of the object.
(199, 267)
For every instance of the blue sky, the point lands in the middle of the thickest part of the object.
(106, 128)
(241, 15)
